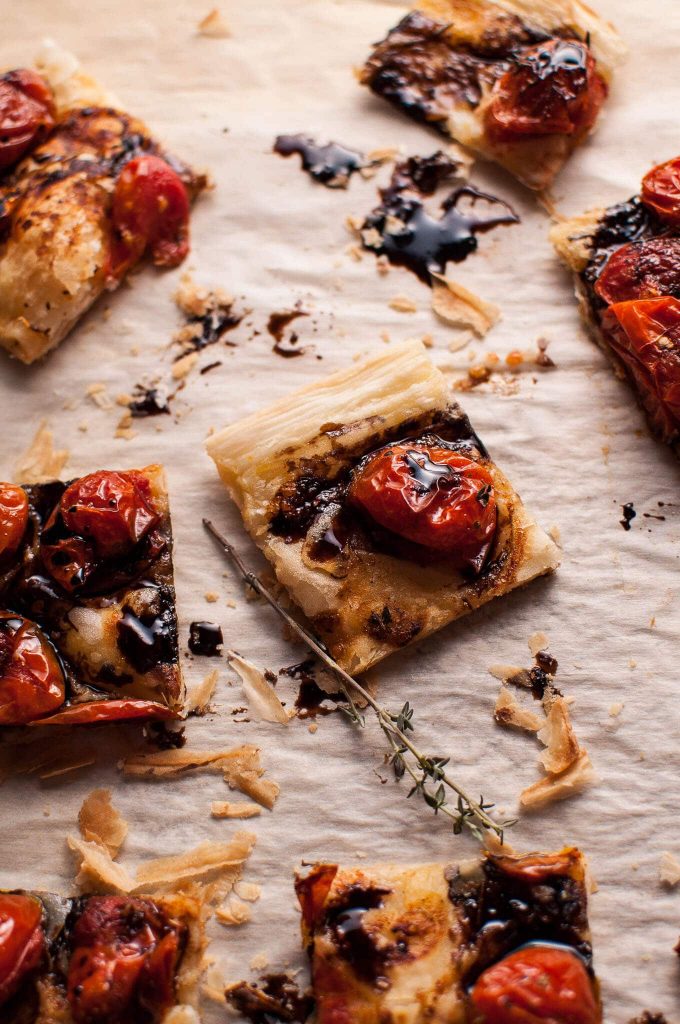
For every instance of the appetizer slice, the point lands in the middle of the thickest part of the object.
(378, 506)
(519, 82)
(85, 193)
(496, 941)
(88, 631)
(96, 959)
(626, 264)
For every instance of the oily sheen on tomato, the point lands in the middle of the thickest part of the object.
(550, 89)
(536, 985)
(641, 270)
(661, 191)
(26, 114)
(13, 518)
(150, 211)
(123, 963)
(431, 495)
(100, 517)
(31, 676)
(645, 334)
(22, 941)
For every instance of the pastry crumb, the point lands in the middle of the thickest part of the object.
(669, 870)
(460, 307)
(259, 962)
(559, 787)
(41, 462)
(226, 809)
(184, 365)
(402, 304)
(214, 25)
(615, 709)
(100, 822)
(538, 642)
(211, 596)
(258, 691)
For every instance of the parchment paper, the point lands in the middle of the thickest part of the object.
(572, 441)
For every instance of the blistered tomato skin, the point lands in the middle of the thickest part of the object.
(31, 676)
(26, 114)
(430, 495)
(123, 963)
(150, 212)
(536, 985)
(99, 517)
(641, 270)
(552, 89)
(13, 518)
(661, 191)
(98, 712)
(22, 941)
(645, 334)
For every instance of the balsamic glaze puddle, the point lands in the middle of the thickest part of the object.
(275, 998)
(285, 345)
(411, 237)
(345, 920)
(311, 700)
(146, 641)
(331, 164)
(629, 514)
(206, 639)
(150, 401)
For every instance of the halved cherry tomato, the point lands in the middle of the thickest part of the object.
(26, 114)
(31, 677)
(661, 190)
(552, 89)
(430, 495)
(641, 270)
(536, 985)
(105, 515)
(13, 517)
(645, 334)
(96, 712)
(150, 211)
(122, 969)
(22, 940)
(535, 867)
(312, 892)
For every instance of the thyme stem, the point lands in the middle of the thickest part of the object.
(470, 813)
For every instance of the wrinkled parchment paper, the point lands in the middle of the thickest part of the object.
(571, 439)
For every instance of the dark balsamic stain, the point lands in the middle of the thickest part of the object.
(648, 1017)
(146, 641)
(423, 243)
(285, 346)
(331, 164)
(162, 737)
(210, 366)
(275, 998)
(211, 326)
(148, 402)
(546, 662)
(629, 514)
(312, 701)
(345, 921)
(206, 639)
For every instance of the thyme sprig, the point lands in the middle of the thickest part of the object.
(431, 782)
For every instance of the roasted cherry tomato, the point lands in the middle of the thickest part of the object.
(641, 270)
(13, 518)
(536, 867)
(26, 114)
(646, 336)
(150, 212)
(536, 985)
(551, 89)
(22, 941)
(99, 517)
(431, 495)
(122, 969)
(661, 191)
(96, 712)
(31, 677)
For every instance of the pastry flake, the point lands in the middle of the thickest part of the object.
(300, 473)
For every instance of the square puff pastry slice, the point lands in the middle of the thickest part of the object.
(391, 944)
(363, 600)
(56, 233)
(442, 63)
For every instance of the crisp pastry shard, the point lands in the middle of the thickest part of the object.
(60, 245)
(408, 945)
(88, 627)
(517, 81)
(366, 591)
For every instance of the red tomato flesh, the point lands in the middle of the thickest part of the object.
(552, 89)
(150, 212)
(13, 517)
(429, 495)
(26, 114)
(641, 270)
(97, 712)
(645, 334)
(661, 191)
(31, 677)
(536, 985)
(22, 941)
(125, 953)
